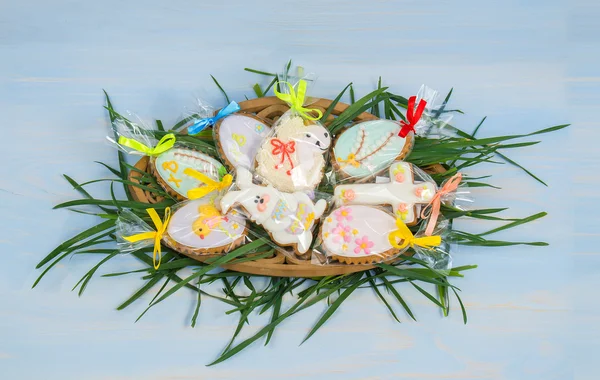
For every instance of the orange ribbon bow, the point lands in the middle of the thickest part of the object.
(432, 210)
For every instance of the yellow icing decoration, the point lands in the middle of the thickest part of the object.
(170, 165)
(240, 139)
(174, 180)
(350, 160)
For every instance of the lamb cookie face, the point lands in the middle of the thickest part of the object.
(169, 168)
(291, 159)
(238, 138)
(287, 217)
(200, 228)
(367, 148)
(401, 192)
(358, 235)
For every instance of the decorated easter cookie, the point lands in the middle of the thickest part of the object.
(287, 217)
(367, 148)
(200, 228)
(291, 159)
(358, 235)
(238, 138)
(401, 192)
(170, 170)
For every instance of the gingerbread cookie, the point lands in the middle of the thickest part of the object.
(238, 138)
(401, 192)
(358, 235)
(291, 159)
(287, 217)
(170, 167)
(365, 149)
(200, 228)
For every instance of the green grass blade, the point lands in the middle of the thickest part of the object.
(260, 72)
(198, 303)
(426, 294)
(334, 306)
(462, 307)
(515, 223)
(382, 298)
(81, 236)
(221, 88)
(335, 101)
(390, 287)
(140, 292)
(110, 168)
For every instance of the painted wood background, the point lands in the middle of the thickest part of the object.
(533, 312)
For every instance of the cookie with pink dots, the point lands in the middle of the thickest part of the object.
(402, 191)
(358, 234)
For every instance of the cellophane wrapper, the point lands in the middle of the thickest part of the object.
(293, 156)
(289, 220)
(196, 227)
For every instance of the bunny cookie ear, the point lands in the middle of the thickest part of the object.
(244, 178)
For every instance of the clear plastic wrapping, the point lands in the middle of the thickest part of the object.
(365, 149)
(238, 137)
(288, 218)
(406, 189)
(196, 227)
(361, 234)
(292, 157)
(206, 117)
(180, 168)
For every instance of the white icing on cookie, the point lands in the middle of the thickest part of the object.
(292, 159)
(287, 217)
(401, 192)
(240, 137)
(200, 225)
(357, 231)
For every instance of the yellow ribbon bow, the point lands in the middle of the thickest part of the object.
(161, 228)
(163, 145)
(296, 100)
(211, 185)
(408, 239)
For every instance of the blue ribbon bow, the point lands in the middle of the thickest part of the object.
(199, 125)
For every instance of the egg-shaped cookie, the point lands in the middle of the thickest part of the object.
(367, 148)
(358, 234)
(199, 228)
(169, 168)
(238, 138)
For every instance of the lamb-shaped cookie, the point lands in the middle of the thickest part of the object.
(287, 217)
(292, 159)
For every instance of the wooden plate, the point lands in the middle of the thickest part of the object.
(271, 108)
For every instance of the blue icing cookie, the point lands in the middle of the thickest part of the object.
(369, 147)
(171, 165)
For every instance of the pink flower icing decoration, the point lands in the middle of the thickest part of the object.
(402, 207)
(343, 213)
(419, 191)
(363, 244)
(348, 195)
(399, 177)
(342, 233)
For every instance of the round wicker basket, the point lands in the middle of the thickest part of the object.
(270, 109)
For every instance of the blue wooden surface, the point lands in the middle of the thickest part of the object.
(533, 312)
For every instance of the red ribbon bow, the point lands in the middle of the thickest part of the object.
(279, 147)
(412, 116)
